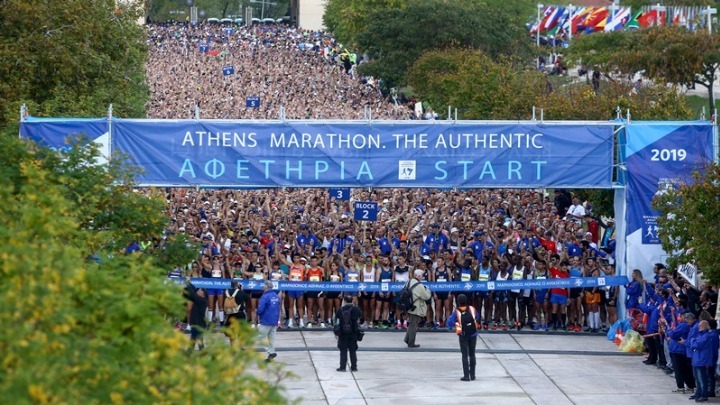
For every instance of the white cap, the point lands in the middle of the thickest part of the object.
(453, 230)
(385, 201)
(426, 257)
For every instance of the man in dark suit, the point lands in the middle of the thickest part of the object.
(346, 330)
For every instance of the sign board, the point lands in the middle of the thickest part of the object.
(365, 211)
(228, 70)
(340, 194)
(689, 273)
(252, 102)
(204, 48)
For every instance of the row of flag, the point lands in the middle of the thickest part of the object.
(557, 21)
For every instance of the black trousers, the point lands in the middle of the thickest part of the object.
(348, 343)
(682, 365)
(467, 350)
(656, 352)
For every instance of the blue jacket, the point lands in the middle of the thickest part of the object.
(653, 309)
(437, 241)
(633, 292)
(269, 308)
(702, 345)
(715, 345)
(680, 332)
(691, 335)
(453, 318)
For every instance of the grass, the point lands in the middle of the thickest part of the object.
(696, 104)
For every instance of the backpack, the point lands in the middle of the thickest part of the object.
(466, 320)
(404, 299)
(347, 320)
(231, 306)
(344, 327)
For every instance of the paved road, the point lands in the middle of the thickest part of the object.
(513, 368)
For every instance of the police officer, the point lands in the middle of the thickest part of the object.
(346, 330)
(464, 319)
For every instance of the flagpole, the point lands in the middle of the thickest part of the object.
(537, 33)
(709, 11)
(571, 9)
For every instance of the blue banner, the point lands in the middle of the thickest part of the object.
(658, 157)
(589, 282)
(360, 154)
(56, 133)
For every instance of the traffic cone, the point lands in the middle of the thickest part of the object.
(618, 337)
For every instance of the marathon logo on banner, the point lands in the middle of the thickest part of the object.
(350, 154)
(218, 283)
(689, 273)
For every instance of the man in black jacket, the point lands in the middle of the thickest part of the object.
(197, 314)
(347, 318)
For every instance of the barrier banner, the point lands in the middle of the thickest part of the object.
(360, 154)
(659, 156)
(223, 283)
(54, 133)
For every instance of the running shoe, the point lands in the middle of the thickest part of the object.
(537, 327)
(405, 325)
(322, 324)
(485, 326)
(504, 327)
(398, 325)
(547, 328)
(301, 323)
(495, 326)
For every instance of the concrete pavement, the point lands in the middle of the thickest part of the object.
(513, 368)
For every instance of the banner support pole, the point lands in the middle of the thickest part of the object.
(197, 113)
(110, 130)
(533, 114)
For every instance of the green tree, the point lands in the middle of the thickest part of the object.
(72, 57)
(689, 229)
(482, 88)
(348, 18)
(91, 331)
(667, 54)
(395, 38)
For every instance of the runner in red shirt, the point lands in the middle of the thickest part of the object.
(558, 296)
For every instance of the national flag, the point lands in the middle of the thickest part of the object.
(649, 19)
(578, 16)
(213, 53)
(554, 19)
(546, 13)
(618, 20)
(634, 23)
(597, 16)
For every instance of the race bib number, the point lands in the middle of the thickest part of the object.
(314, 279)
